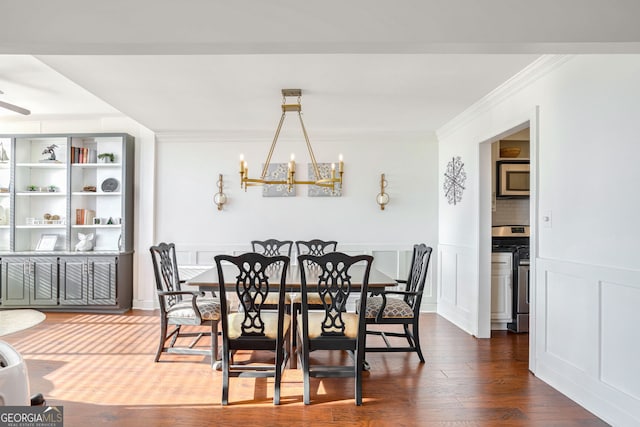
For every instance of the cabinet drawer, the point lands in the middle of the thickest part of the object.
(501, 262)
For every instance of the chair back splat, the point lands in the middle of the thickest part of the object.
(272, 247)
(253, 279)
(315, 247)
(329, 277)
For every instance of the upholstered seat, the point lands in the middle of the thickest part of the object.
(394, 308)
(315, 324)
(270, 324)
(312, 299)
(209, 309)
(272, 299)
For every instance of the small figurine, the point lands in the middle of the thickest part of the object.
(50, 151)
(85, 242)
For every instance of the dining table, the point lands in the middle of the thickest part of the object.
(207, 281)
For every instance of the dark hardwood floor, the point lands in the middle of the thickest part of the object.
(100, 369)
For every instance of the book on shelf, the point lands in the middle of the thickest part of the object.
(84, 155)
(85, 216)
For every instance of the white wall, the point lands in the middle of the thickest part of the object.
(587, 266)
(188, 168)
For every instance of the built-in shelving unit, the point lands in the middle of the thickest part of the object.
(53, 190)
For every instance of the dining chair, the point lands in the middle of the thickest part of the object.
(181, 308)
(252, 279)
(400, 307)
(329, 277)
(273, 247)
(315, 247)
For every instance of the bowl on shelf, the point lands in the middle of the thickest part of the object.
(509, 152)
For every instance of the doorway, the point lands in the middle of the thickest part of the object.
(510, 221)
(506, 211)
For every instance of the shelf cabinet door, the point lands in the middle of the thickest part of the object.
(44, 281)
(73, 281)
(102, 280)
(30, 281)
(15, 281)
(88, 280)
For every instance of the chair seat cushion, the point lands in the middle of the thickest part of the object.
(312, 299)
(396, 308)
(270, 320)
(209, 309)
(315, 324)
(272, 298)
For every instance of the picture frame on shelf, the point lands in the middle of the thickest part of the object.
(47, 242)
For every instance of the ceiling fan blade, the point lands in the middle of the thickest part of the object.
(15, 108)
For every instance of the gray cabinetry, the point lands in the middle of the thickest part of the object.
(66, 221)
(29, 281)
(88, 280)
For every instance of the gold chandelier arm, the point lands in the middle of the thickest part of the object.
(311, 155)
(265, 169)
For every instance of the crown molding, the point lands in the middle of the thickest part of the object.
(509, 88)
(252, 136)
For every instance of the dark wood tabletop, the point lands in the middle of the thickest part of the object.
(209, 278)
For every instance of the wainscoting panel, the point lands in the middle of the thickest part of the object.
(619, 325)
(456, 271)
(571, 319)
(587, 346)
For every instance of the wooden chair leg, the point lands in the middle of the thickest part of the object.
(214, 344)
(306, 376)
(359, 362)
(295, 309)
(416, 338)
(163, 338)
(278, 374)
(225, 375)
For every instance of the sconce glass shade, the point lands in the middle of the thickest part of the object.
(220, 198)
(382, 198)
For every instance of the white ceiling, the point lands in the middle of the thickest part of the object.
(363, 65)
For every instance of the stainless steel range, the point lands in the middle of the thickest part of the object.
(515, 239)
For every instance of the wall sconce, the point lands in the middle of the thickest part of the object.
(220, 198)
(382, 198)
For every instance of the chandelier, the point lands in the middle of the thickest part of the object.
(321, 181)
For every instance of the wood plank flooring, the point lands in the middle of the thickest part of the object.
(100, 369)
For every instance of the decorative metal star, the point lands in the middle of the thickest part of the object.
(454, 179)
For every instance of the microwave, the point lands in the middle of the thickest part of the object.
(512, 179)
